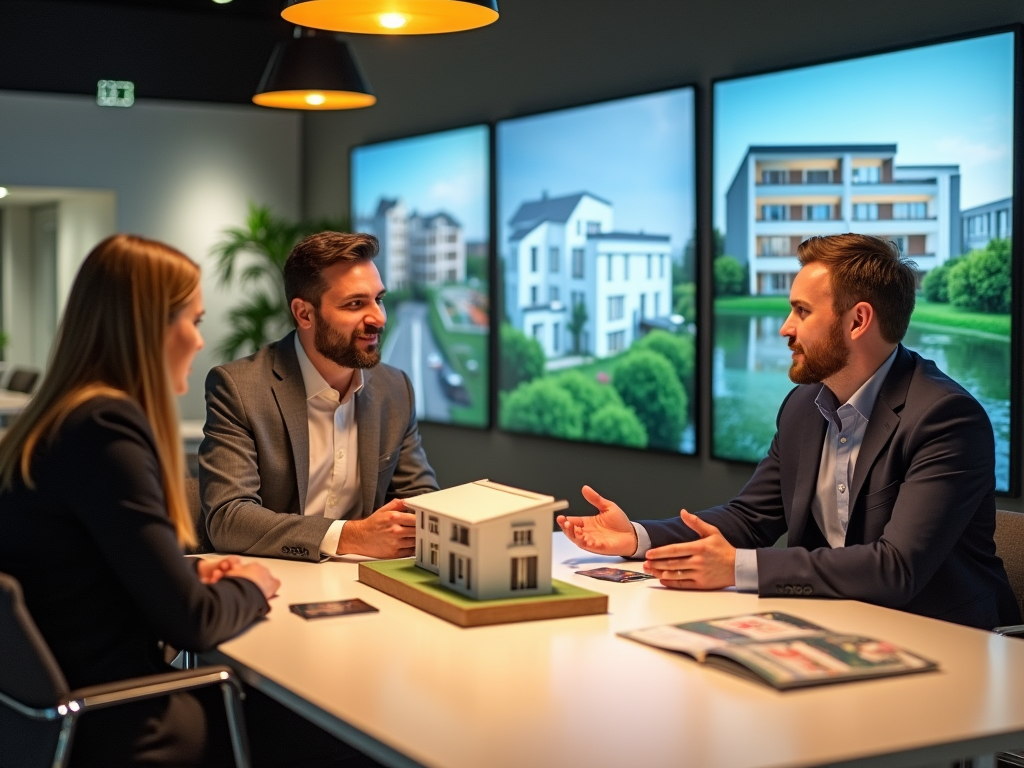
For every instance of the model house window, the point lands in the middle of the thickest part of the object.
(452, 275)
(1003, 224)
(593, 227)
(650, 264)
(553, 293)
(433, 525)
(533, 295)
(657, 305)
(577, 262)
(616, 307)
(460, 534)
(865, 211)
(910, 210)
(661, 265)
(538, 331)
(434, 553)
(523, 537)
(774, 212)
(901, 242)
(452, 255)
(818, 176)
(625, 266)
(524, 572)
(616, 342)
(553, 265)
(866, 174)
(819, 212)
(422, 519)
(555, 333)
(451, 567)
(609, 262)
(773, 177)
(643, 305)
(533, 259)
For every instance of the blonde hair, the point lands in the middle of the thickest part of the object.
(111, 343)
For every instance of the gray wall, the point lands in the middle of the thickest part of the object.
(546, 54)
(180, 173)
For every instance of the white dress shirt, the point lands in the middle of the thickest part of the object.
(333, 489)
(830, 506)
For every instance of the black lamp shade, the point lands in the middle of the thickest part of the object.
(313, 72)
(392, 17)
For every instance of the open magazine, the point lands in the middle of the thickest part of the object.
(782, 650)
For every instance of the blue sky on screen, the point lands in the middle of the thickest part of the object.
(636, 153)
(943, 104)
(446, 171)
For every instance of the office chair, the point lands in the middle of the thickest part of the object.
(1009, 538)
(22, 380)
(38, 713)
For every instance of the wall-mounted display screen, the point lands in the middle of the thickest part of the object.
(427, 199)
(915, 146)
(596, 254)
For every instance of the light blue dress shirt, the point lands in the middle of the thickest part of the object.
(830, 506)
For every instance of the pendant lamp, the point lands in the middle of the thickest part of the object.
(313, 71)
(392, 17)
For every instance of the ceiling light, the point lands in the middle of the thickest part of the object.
(392, 17)
(313, 71)
(222, 2)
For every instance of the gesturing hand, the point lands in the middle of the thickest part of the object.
(212, 571)
(609, 532)
(388, 532)
(707, 563)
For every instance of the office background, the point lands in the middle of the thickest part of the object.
(542, 54)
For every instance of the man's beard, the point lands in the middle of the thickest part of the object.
(343, 350)
(826, 359)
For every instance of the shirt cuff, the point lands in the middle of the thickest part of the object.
(329, 546)
(643, 542)
(746, 570)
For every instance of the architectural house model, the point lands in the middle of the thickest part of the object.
(486, 540)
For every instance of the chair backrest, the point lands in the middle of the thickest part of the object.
(1010, 548)
(22, 380)
(28, 672)
(195, 506)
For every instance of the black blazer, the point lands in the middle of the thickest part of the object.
(920, 536)
(96, 555)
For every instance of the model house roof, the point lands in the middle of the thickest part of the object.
(1006, 202)
(533, 212)
(482, 501)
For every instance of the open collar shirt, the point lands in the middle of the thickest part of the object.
(333, 490)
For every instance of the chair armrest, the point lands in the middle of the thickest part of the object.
(137, 688)
(1013, 630)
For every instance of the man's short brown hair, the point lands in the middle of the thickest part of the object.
(303, 278)
(866, 268)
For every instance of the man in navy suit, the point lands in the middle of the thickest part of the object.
(881, 473)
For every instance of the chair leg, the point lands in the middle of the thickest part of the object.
(236, 724)
(67, 730)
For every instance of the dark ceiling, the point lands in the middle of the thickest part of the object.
(195, 50)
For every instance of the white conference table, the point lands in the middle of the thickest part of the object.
(411, 689)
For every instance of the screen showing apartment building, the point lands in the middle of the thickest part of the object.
(914, 146)
(596, 252)
(427, 200)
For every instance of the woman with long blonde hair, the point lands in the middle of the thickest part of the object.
(93, 513)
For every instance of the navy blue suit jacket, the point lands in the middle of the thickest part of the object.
(920, 535)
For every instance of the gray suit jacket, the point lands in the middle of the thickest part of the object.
(254, 458)
(922, 518)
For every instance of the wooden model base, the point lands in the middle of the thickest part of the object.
(413, 585)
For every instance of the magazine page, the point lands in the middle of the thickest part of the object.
(822, 659)
(698, 637)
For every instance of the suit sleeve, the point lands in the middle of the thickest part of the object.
(949, 470)
(754, 518)
(229, 477)
(413, 474)
(118, 496)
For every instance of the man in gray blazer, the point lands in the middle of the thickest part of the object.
(311, 444)
(881, 473)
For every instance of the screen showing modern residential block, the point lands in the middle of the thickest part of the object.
(915, 146)
(427, 199)
(596, 253)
